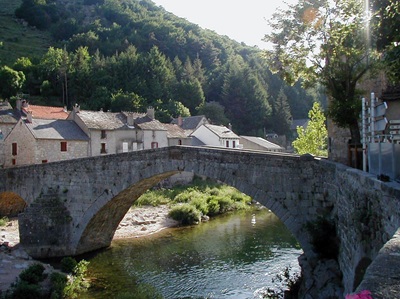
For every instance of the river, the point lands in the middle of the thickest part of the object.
(231, 256)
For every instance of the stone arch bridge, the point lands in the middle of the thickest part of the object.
(75, 206)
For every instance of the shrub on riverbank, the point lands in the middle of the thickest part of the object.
(3, 221)
(202, 197)
(30, 282)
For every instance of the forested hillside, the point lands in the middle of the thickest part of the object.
(130, 54)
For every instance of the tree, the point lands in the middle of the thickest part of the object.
(214, 112)
(324, 41)
(387, 13)
(281, 115)
(11, 82)
(313, 139)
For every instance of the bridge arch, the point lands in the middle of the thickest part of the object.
(81, 202)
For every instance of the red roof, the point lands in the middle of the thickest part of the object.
(47, 112)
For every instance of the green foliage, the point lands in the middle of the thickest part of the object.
(3, 221)
(185, 213)
(33, 274)
(128, 49)
(58, 283)
(154, 198)
(324, 237)
(11, 82)
(78, 282)
(68, 264)
(324, 41)
(313, 139)
(215, 112)
(24, 290)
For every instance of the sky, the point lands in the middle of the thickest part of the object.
(243, 21)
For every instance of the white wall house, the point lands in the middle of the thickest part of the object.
(113, 133)
(212, 135)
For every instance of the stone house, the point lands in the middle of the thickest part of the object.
(112, 133)
(176, 135)
(212, 135)
(191, 123)
(34, 141)
(260, 144)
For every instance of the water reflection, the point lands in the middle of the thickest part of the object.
(229, 257)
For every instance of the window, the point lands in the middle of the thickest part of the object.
(14, 161)
(154, 145)
(125, 147)
(234, 144)
(63, 146)
(179, 142)
(14, 149)
(44, 161)
(103, 134)
(227, 143)
(103, 149)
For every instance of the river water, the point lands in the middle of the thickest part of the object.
(232, 256)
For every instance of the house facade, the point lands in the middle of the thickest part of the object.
(212, 135)
(34, 141)
(113, 133)
(176, 135)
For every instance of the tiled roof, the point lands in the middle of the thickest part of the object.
(47, 112)
(221, 131)
(4, 105)
(56, 129)
(100, 120)
(174, 131)
(191, 122)
(10, 116)
(262, 142)
(146, 123)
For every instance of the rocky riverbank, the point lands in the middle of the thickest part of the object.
(136, 223)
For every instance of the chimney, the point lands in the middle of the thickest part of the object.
(65, 109)
(180, 121)
(29, 116)
(150, 112)
(18, 105)
(129, 118)
(77, 108)
(230, 126)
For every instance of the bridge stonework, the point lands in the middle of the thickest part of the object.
(75, 206)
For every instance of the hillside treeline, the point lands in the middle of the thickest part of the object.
(128, 55)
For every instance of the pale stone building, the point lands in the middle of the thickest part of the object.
(212, 135)
(34, 141)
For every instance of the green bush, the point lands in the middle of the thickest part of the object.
(185, 214)
(33, 274)
(200, 203)
(3, 221)
(154, 198)
(24, 290)
(78, 283)
(68, 264)
(213, 206)
(58, 283)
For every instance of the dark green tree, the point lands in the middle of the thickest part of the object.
(281, 118)
(215, 112)
(11, 82)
